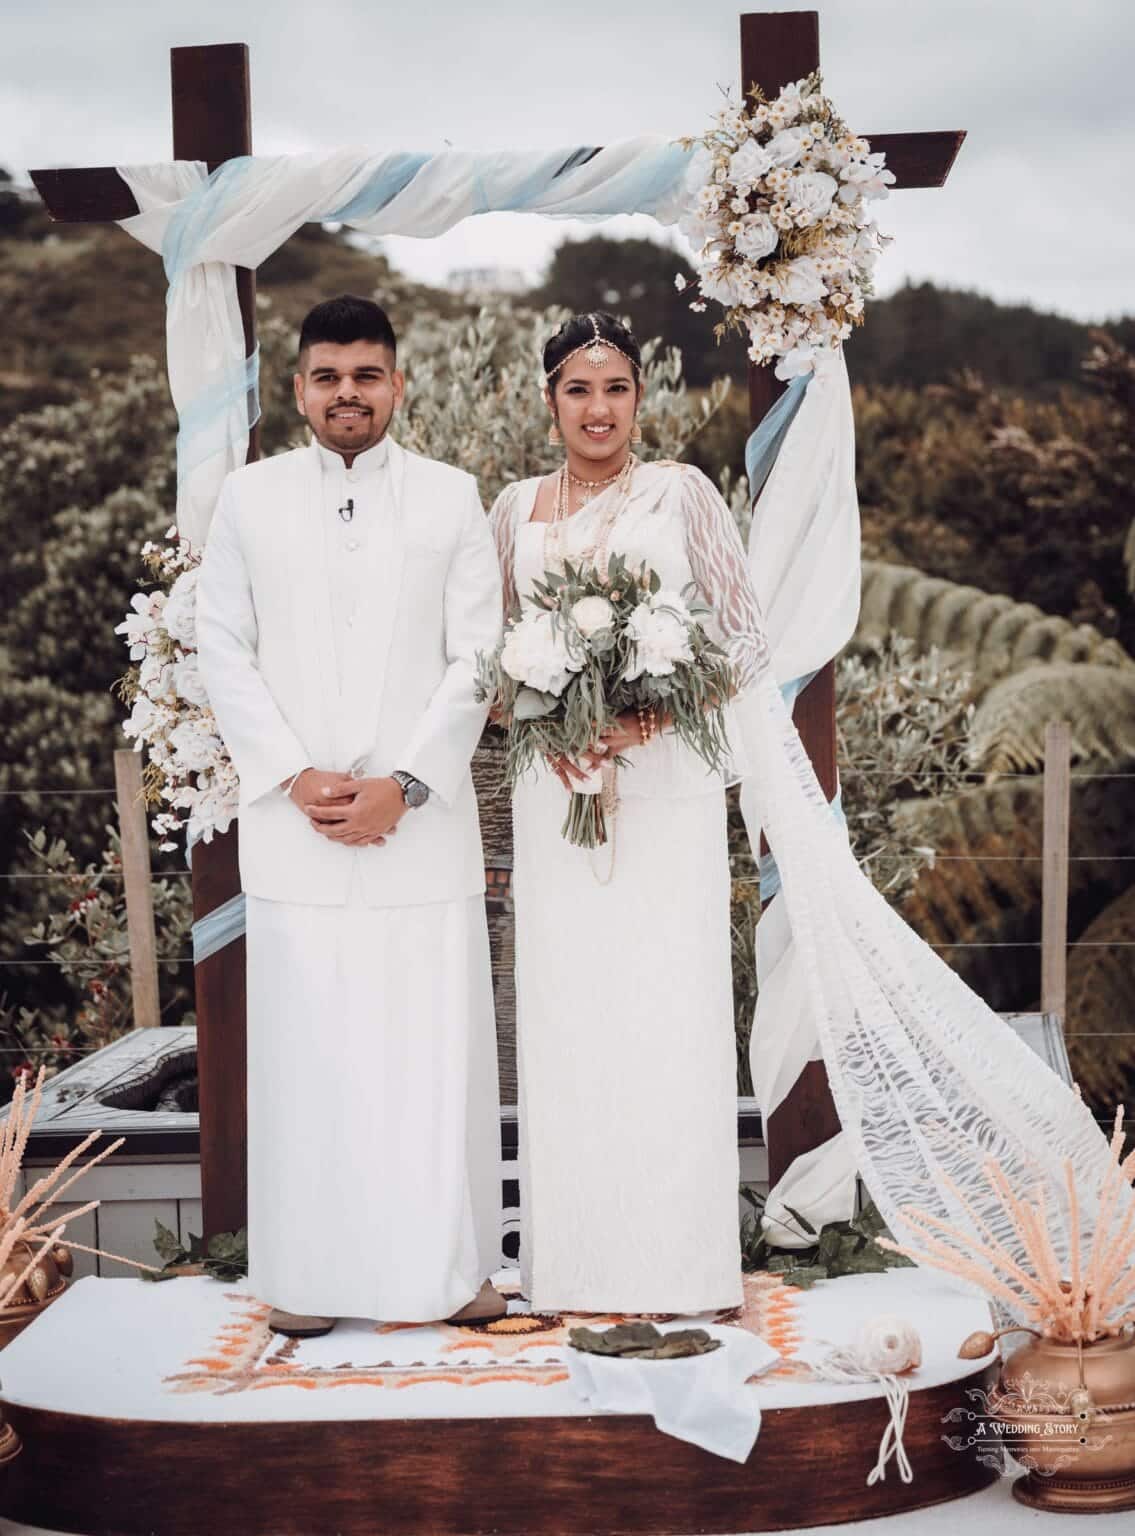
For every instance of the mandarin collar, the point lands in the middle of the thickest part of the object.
(367, 463)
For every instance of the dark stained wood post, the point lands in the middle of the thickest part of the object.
(212, 121)
(776, 48)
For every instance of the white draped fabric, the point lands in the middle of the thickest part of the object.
(804, 560)
(205, 226)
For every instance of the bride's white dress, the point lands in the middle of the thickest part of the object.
(624, 1018)
(625, 1040)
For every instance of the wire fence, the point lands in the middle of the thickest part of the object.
(98, 963)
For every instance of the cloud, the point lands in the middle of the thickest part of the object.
(1031, 210)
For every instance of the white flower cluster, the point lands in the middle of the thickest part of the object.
(170, 715)
(543, 649)
(779, 220)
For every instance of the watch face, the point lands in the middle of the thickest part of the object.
(416, 793)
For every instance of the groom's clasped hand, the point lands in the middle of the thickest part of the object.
(360, 812)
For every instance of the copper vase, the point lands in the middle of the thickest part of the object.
(46, 1282)
(1068, 1415)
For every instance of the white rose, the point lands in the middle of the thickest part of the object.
(661, 638)
(758, 236)
(591, 614)
(187, 682)
(195, 745)
(811, 193)
(784, 148)
(799, 281)
(697, 230)
(889, 1345)
(535, 652)
(181, 609)
(748, 164)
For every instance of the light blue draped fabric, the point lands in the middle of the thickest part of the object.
(761, 450)
(201, 427)
(394, 174)
(218, 928)
(767, 436)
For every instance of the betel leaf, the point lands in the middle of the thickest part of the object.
(642, 1341)
(167, 1245)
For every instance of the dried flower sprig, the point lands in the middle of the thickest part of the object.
(28, 1220)
(1097, 1296)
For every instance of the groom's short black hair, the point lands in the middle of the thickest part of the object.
(346, 319)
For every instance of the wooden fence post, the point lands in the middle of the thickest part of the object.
(1054, 878)
(135, 836)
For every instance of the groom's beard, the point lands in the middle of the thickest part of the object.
(356, 433)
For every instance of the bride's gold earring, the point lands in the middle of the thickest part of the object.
(554, 434)
(636, 433)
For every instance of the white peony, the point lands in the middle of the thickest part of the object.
(758, 236)
(187, 682)
(749, 163)
(535, 652)
(785, 147)
(591, 614)
(181, 609)
(799, 281)
(889, 1345)
(659, 628)
(811, 194)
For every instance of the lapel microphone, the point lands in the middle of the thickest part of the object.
(347, 511)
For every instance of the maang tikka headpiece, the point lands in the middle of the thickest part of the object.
(595, 351)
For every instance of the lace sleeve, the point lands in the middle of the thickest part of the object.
(721, 569)
(502, 520)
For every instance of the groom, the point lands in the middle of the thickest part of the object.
(345, 591)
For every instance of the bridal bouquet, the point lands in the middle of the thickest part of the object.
(780, 220)
(584, 649)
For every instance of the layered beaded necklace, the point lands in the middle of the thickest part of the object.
(596, 549)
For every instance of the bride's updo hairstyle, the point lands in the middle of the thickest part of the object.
(584, 332)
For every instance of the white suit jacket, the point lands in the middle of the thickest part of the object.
(266, 653)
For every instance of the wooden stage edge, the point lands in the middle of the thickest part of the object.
(606, 1475)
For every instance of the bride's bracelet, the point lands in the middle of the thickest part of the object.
(647, 725)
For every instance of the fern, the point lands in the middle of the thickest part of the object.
(1007, 733)
(994, 635)
(995, 896)
(1100, 1026)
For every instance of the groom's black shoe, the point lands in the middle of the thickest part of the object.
(297, 1326)
(486, 1307)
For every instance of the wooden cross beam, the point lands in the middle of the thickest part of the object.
(212, 121)
(777, 48)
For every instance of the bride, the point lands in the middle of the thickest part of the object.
(625, 1040)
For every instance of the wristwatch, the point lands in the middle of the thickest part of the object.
(414, 792)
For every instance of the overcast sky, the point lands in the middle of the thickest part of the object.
(1038, 207)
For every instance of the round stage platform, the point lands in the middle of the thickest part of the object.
(172, 1408)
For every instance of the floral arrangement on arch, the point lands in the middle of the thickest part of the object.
(780, 223)
(189, 772)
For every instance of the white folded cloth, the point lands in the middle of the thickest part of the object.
(702, 1398)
